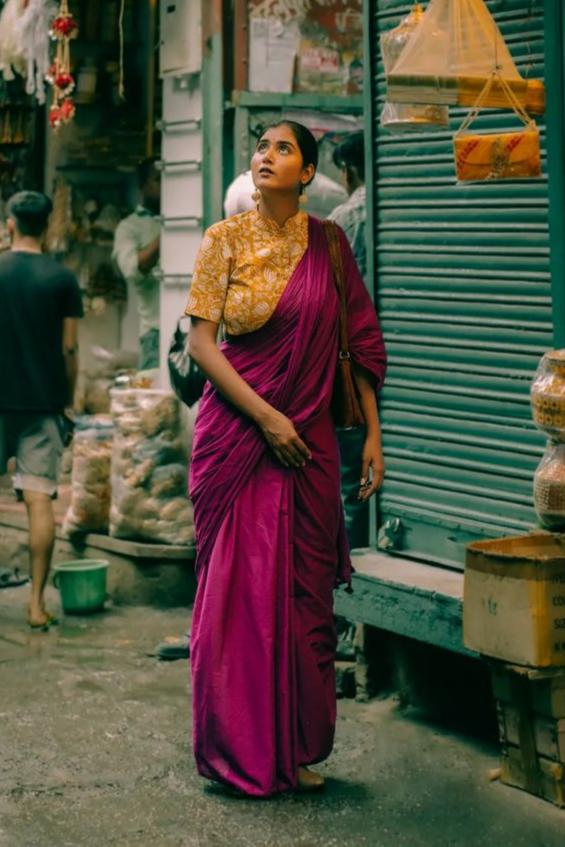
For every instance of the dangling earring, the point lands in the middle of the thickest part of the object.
(256, 196)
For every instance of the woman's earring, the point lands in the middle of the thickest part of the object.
(256, 196)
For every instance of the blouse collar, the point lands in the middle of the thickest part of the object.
(290, 226)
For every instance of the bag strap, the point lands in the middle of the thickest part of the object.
(336, 259)
(517, 106)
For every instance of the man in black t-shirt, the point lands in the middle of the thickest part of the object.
(40, 302)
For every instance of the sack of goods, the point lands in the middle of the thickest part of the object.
(149, 468)
(89, 510)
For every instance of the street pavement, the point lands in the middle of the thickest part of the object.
(95, 751)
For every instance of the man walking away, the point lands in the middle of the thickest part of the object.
(40, 302)
(136, 252)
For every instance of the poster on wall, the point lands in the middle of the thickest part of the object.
(306, 46)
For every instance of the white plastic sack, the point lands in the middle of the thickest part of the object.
(451, 55)
(89, 510)
(149, 468)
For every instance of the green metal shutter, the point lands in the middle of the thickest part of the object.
(463, 291)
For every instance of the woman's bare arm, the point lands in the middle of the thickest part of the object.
(372, 472)
(276, 427)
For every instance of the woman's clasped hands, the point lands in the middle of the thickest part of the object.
(284, 441)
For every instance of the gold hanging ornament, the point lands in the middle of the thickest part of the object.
(63, 29)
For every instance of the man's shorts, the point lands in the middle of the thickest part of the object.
(36, 443)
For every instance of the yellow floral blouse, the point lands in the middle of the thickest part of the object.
(243, 267)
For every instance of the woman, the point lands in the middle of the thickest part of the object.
(265, 477)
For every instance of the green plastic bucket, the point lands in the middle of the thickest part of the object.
(82, 585)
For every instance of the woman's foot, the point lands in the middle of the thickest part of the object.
(39, 618)
(310, 780)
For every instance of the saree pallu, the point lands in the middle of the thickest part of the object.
(271, 542)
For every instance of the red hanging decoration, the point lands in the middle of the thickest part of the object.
(63, 28)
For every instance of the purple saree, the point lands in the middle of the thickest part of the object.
(271, 541)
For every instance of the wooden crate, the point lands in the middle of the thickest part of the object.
(546, 779)
(531, 718)
(546, 688)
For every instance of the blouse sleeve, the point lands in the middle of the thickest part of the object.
(366, 343)
(210, 278)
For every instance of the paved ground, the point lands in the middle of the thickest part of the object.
(95, 752)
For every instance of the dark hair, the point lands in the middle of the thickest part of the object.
(351, 154)
(145, 169)
(30, 211)
(307, 144)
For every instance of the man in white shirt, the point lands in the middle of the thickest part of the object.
(323, 196)
(136, 252)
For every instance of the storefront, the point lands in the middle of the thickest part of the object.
(463, 286)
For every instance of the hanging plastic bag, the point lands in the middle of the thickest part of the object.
(450, 57)
(497, 155)
(406, 117)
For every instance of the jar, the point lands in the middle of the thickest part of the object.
(548, 395)
(549, 488)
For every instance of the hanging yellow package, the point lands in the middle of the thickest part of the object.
(450, 57)
(497, 155)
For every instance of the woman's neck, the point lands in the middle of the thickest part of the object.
(278, 208)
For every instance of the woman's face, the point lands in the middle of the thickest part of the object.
(277, 162)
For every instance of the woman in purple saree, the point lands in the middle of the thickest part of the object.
(271, 543)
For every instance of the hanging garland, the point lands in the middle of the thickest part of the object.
(63, 29)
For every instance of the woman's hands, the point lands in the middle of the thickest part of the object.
(284, 441)
(372, 468)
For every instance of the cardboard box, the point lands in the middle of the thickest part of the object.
(514, 599)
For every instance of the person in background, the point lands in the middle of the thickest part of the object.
(323, 195)
(136, 252)
(351, 216)
(349, 157)
(40, 302)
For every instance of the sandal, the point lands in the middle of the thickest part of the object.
(309, 781)
(44, 626)
(12, 578)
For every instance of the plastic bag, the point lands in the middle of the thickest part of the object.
(149, 469)
(497, 155)
(99, 380)
(404, 117)
(549, 488)
(548, 395)
(450, 56)
(89, 510)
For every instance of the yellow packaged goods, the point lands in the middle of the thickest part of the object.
(514, 599)
(499, 155)
(548, 395)
(549, 488)
(449, 59)
(504, 155)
